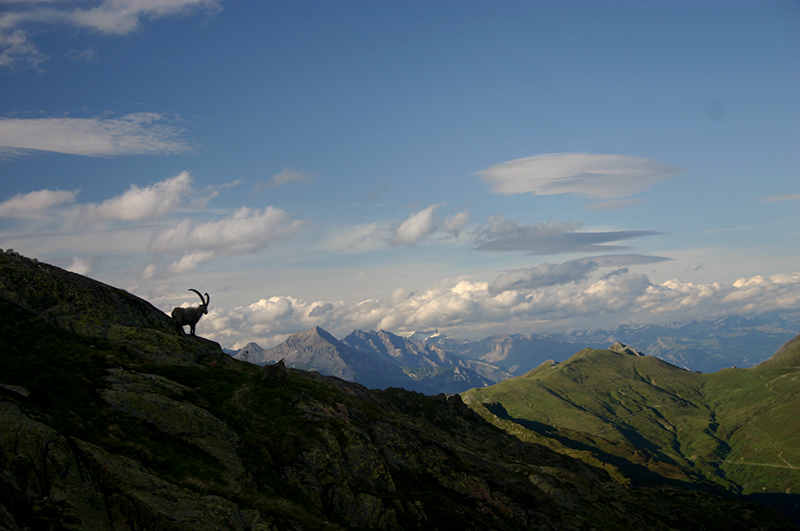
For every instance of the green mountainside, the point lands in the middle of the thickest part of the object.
(111, 421)
(638, 415)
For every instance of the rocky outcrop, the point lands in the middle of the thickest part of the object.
(622, 348)
(50, 481)
(90, 308)
(150, 398)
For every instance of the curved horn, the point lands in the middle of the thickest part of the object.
(198, 294)
(208, 299)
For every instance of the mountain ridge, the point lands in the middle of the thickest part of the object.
(95, 434)
(734, 427)
(379, 360)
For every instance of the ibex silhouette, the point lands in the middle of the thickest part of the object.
(190, 316)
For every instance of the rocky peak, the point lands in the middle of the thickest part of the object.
(622, 348)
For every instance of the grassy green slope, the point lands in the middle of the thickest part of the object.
(736, 427)
(756, 411)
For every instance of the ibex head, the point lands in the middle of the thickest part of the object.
(205, 301)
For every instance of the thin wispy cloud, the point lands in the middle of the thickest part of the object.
(359, 238)
(377, 191)
(787, 197)
(585, 174)
(616, 204)
(17, 49)
(108, 17)
(287, 176)
(619, 260)
(132, 134)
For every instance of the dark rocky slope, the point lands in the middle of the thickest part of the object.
(108, 422)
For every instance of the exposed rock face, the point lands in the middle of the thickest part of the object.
(150, 398)
(54, 482)
(622, 348)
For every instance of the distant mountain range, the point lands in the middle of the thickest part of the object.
(378, 360)
(705, 346)
(432, 362)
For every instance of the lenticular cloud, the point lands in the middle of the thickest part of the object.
(586, 174)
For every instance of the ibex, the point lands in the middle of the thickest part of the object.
(190, 316)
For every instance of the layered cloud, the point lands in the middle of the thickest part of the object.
(540, 298)
(133, 134)
(605, 177)
(110, 17)
(500, 234)
(542, 276)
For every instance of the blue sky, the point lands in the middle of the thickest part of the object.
(476, 167)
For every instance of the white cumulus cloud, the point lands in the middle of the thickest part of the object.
(34, 203)
(415, 227)
(245, 231)
(586, 174)
(455, 222)
(152, 201)
(82, 266)
(560, 296)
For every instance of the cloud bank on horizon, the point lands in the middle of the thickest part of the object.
(372, 179)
